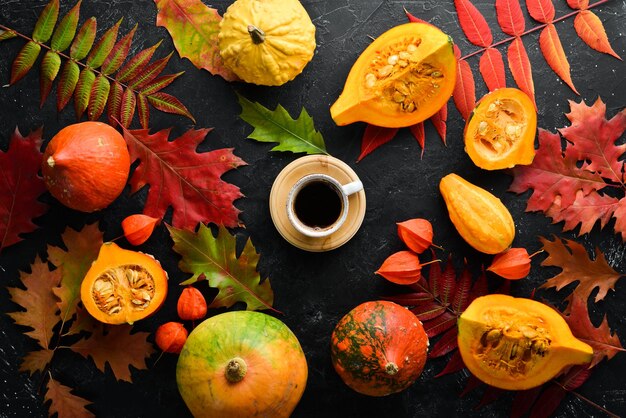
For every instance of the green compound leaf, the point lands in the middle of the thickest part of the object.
(67, 84)
(45, 23)
(136, 64)
(297, 135)
(7, 34)
(169, 104)
(118, 54)
(143, 111)
(83, 91)
(102, 49)
(150, 72)
(24, 61)
(98, 97)
(84, 40)
(50, 65)
(127, 107)
(160, 83)
(115, 103)
(64, 33)
(215, 259)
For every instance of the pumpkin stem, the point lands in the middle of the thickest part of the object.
(391, 368)
(50, 161)
(258, 36)
(236, 370)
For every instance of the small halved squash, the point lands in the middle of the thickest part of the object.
(402, 78)
(123, 286)
(516, 343)
(500, 132)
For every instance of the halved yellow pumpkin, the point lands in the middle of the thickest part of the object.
(404, 77)
(516, 343)
(500, 132)
(123, 286)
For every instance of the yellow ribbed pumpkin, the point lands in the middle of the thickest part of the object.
(266, 42)
(479, 217)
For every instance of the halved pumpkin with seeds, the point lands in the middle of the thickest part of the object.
(404, 77)
(500, 132)
(123, 286)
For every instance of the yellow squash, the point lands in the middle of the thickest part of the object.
(266, 42)
(479, 217)
(516, 343)
(404, 77)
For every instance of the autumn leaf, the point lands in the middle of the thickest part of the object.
(117, 347)
(576, 266)
(64, 403)
(553, 52)
(188, 181)
(38, 300)
(521, 69)
(439, 121)
(295, 135)
(541, 10)
(194, 28)
(419, 134)
(20, 187)
(215, 259)
(591, 30)
(464, 93)
(81, 249)
(594, 139)
(491, 68)
(473, 23)
(36, 361)
(510, 17)
(374, 137)
(605, 344)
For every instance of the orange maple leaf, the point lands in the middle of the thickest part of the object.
(64, 403)
(118, 347)
(40, 304)
(576, 266)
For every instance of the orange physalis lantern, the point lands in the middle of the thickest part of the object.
(417, 234)
(513, 264)
(138, 228)
(191, 304)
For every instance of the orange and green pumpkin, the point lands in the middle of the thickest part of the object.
(241, 364)
(379, 348)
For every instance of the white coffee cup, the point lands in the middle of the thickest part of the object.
(319, 180)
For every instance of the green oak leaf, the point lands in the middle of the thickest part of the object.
(295, 135)
(215, 259)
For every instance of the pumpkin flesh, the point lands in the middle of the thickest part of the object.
(516, 343)
(500, 132)
(379, 348)
(266, 354)
(123, 286)
(404, 77)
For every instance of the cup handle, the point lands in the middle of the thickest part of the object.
(351, 188)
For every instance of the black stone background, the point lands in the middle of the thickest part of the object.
(313, 290)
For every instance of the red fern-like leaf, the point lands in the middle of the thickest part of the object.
(169, 104)
(439, 120)
(127, 107)
(67, 84)
(428, 310)
(412, 18)
(160, 83)
(374, 137)
(50, 65)
(578, 4)
(548, 401)
(473, 23)
(81, 45)
(591, 30)
(419, 134)
(143, 111)
(440, 324)
(523, 401)
(552, 50)
(446, 344)
(492, 69)
(24, 61)
(114, 105)
(446, 286)
(150, 72)
(82, 93)
(461, 300)
(455, 364)
(464, 94)
(519, 64)
(510, 17)
(541, 10)
(575, 377)
(410, 299)
(104, 46)
(98, 97)
(136, 64)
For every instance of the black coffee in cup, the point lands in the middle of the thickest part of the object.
(318, 204)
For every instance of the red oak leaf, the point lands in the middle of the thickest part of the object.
(593, 138)
(180, 177)
(553, 176)
(586, 210)
(576, 266)
(604, 342)
(20, 187)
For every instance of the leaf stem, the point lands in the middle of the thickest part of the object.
(589, 401)
(534, 29)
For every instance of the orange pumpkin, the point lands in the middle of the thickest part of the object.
(123, 286)
(241, 364)
(379, 348)
(500, 132)
(86, 165)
